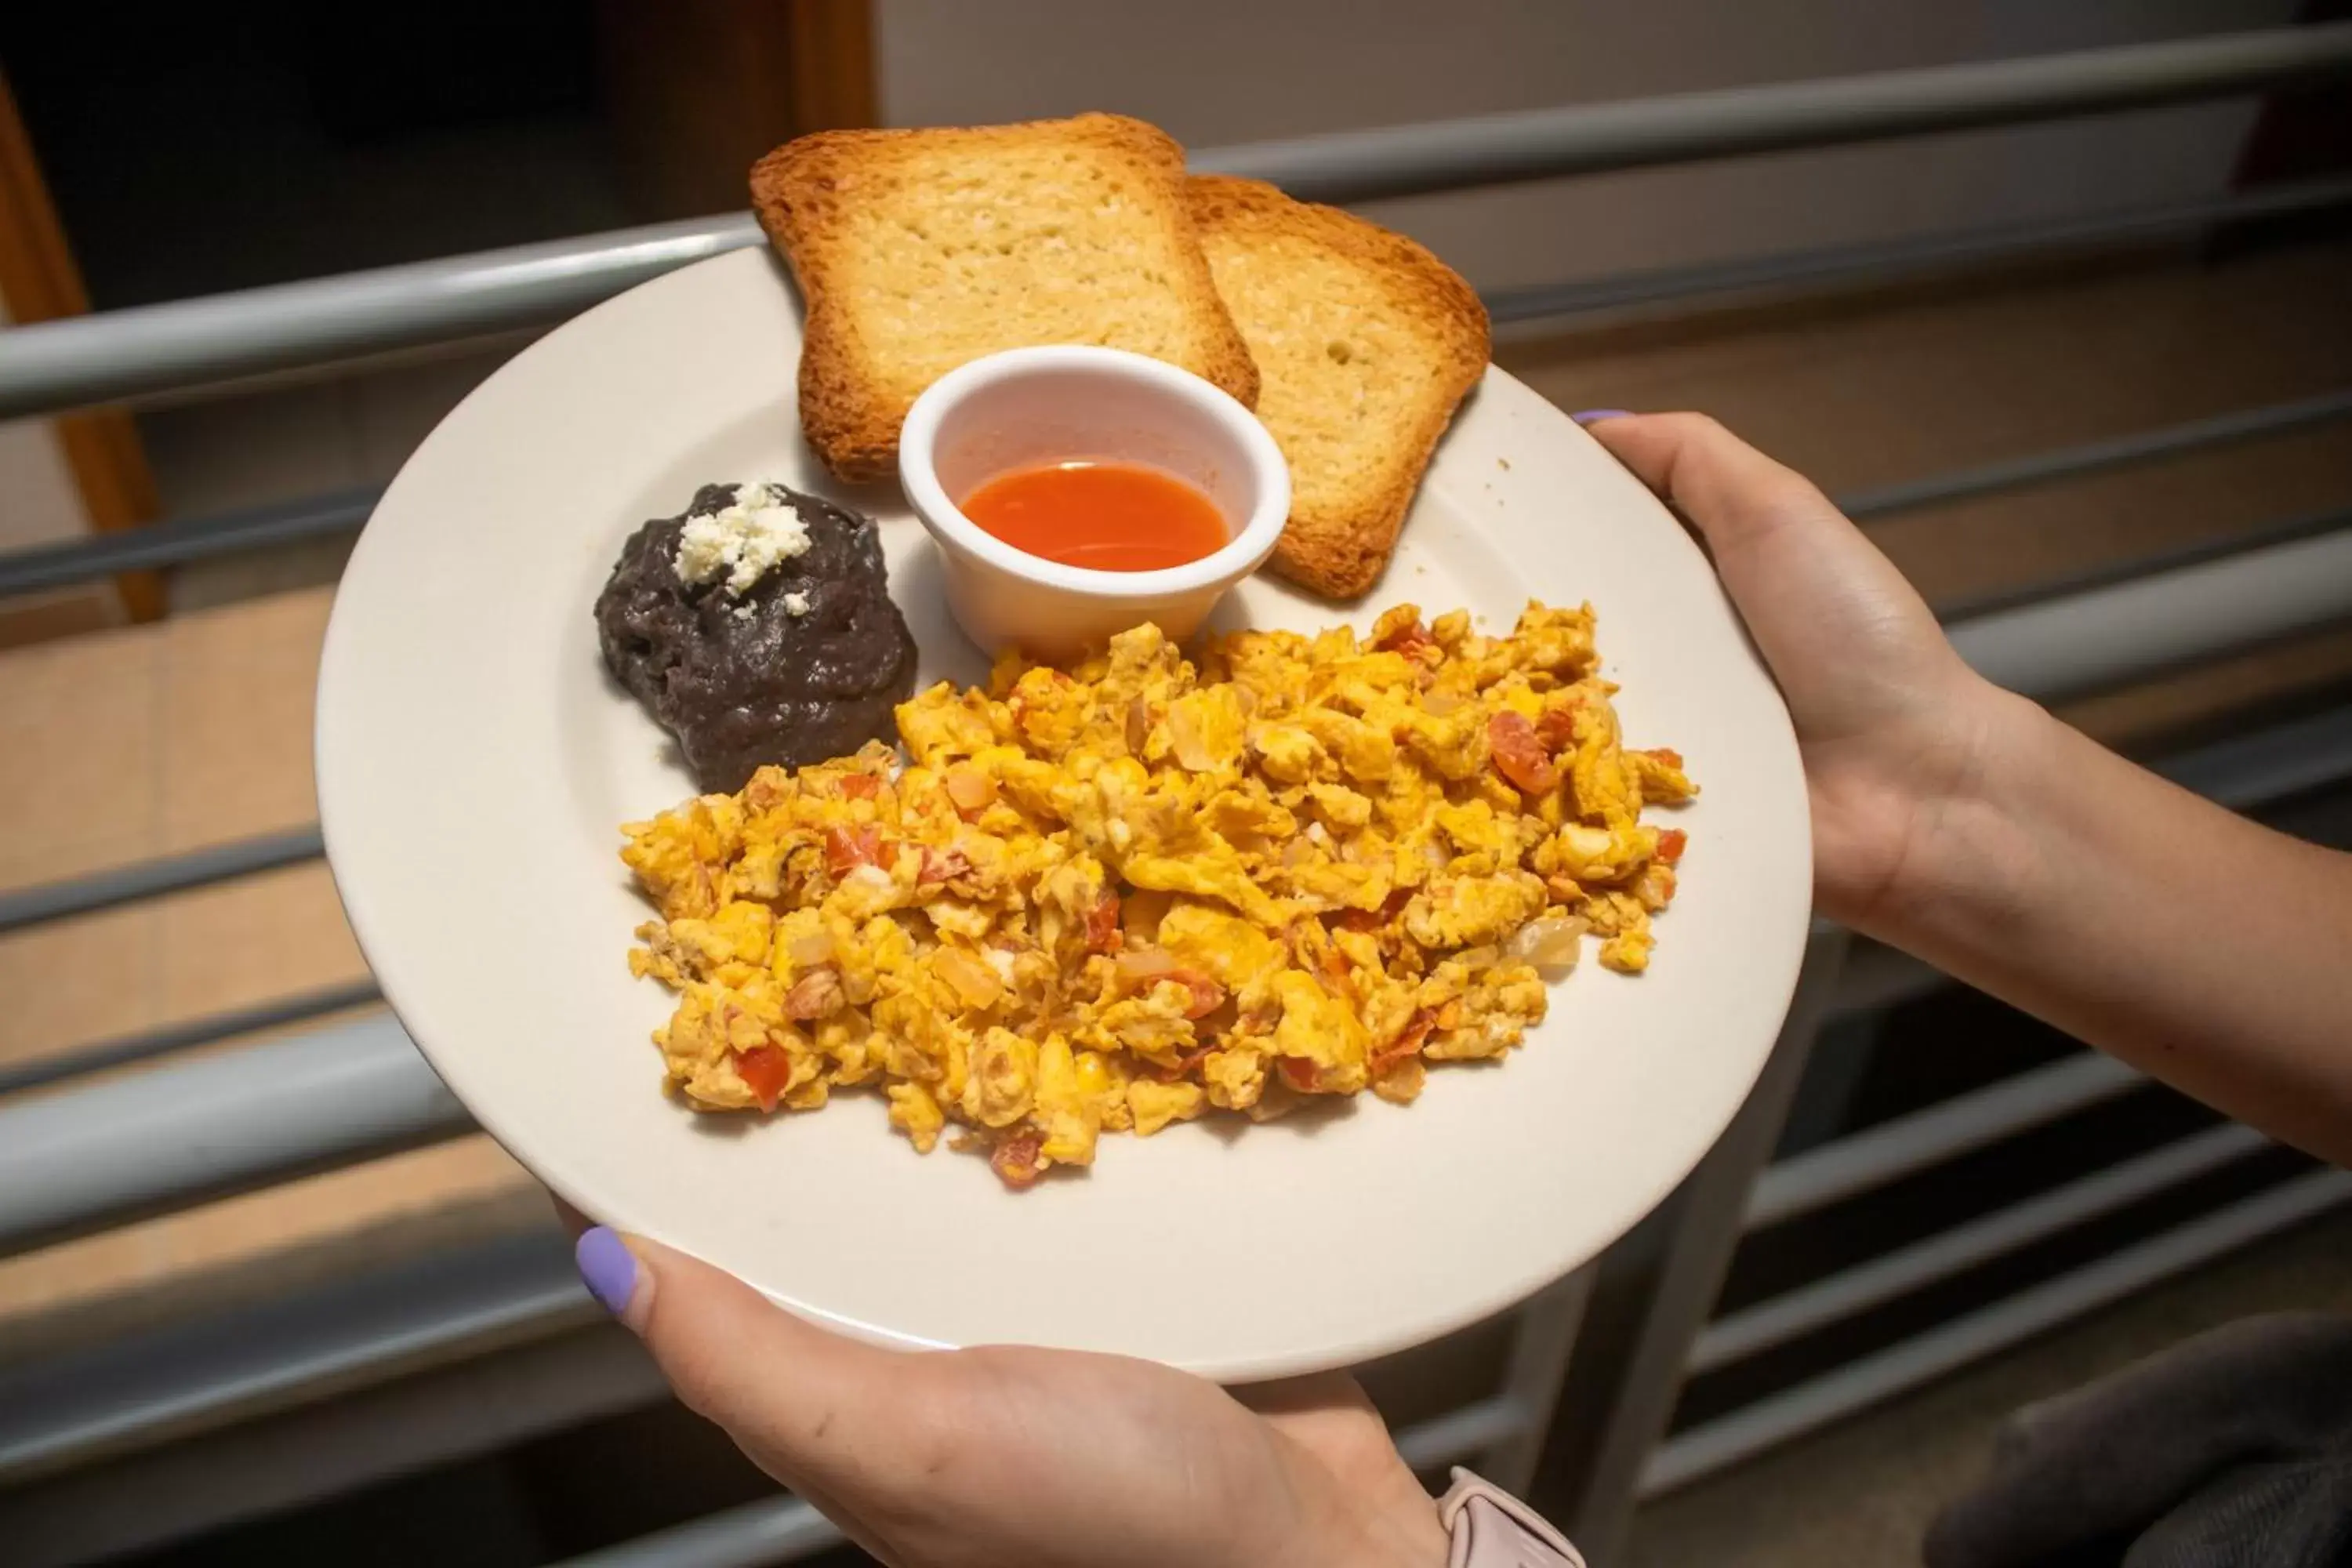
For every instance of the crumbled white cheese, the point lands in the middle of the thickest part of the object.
(745, 612)
(743, 541)
(796, 604)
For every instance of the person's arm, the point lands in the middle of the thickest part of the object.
(1968, 826)
(2201, 948)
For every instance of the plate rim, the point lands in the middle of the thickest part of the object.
(1545, 1266)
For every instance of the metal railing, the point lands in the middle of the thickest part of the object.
(84, 1156)
(143, 879)
(2100, 456)
(1839, 1296)
(1703, 1450)
(1864, 1162)
(1881, 263)
(2052, 640)
(80, 1159)
(2140, 623)
(104, 1056)
(175, 347)
(1545, 143)
(183, 540)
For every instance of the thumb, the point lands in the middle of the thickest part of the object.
(1732, 493)
(1795, 566)
(815, 1409)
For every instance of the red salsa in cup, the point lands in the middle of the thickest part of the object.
(1104, 517)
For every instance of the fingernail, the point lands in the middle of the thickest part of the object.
(608, 1267)
(1593, 415)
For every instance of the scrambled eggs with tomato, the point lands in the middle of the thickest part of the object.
(1137, 891)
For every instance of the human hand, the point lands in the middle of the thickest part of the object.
(986, 1457)
(1895, 727)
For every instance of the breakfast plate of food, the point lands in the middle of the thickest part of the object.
(1060, 759)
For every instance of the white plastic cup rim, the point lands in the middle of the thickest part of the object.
(1251, 543)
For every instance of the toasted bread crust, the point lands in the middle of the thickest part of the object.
(1345, 514)
(853, 398)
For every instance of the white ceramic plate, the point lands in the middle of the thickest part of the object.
(474, 761)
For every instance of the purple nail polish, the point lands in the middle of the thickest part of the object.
(1592, 415)
(609, 1268)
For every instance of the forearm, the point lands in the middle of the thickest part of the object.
(2207, 951)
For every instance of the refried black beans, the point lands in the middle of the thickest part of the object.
(739, 678)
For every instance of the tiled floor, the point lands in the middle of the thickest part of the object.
(147, 741)
(127, 743)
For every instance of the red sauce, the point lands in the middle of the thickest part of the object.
(1107, 517)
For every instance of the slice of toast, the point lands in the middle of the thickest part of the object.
(919, 250)
(1364, 344)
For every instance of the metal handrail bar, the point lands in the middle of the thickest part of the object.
(2104, 637)
(1905, 1146)
(2098, 456)
(148, 349)
(74, 896)
(125, 353)
(1459, 1434)
(2246, 773)
(1712, 1446)
(1544, 144)
(219, 1466)
(180, 540)
(148, 1044)
(1885, 260)
(2156, 563)
(1834, 1298)
(90, 1157)
(362, 1325)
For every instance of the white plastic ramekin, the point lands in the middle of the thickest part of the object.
(1072, 403)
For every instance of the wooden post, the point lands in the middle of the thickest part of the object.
(39, 282)
(698, 90)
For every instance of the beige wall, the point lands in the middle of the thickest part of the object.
(1216, 71)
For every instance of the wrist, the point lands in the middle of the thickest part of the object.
(1973, 851)
(1409, 1535)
